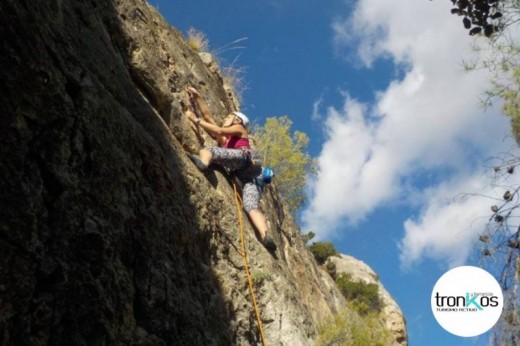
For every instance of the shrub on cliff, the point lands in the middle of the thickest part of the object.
(349, 328)
(307, 237)
(322, 251)
(364, 298)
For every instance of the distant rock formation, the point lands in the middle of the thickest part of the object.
(391, 315)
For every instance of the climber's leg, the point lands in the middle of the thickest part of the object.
(231, 159)
(197, 160)
(258, 219)
(251, 194)
(205, 156)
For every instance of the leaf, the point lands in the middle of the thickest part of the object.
(475, 30)
(488, 30)
(484, 238)
(467, 22)
(483, 7)
(455, 11)
(496, 15)
(462, 4)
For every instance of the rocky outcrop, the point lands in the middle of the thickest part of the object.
(108, 233)
(391, 315)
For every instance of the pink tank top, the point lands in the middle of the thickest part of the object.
(234, 142)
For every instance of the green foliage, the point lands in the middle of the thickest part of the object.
(350, 329)
(308, 237)
(261, 276)
(330, 267)
(511, 106)
(285, 152)
(480, 16)
(498, 20)
(363, 297)
(322, 251)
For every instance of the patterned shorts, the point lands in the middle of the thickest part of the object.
(251, 193)
(234, 160)
(231, 159)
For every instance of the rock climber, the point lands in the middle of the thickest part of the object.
(236, 155)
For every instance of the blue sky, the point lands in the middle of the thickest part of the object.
(394, 121)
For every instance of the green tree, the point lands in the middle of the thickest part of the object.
(286, 154)
(504, 65)
(480, 16)
(498, 21)
(511, 107)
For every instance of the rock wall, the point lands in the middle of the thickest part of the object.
(391, 315)
(108, 233)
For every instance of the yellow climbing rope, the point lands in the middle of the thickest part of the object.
(244, 257)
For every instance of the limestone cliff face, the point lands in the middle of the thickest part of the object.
(108, 233)
(391, 315)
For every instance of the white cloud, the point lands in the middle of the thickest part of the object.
(349, 144)
(429, 121)
(316, 109)
(449, 223)
(452, 219)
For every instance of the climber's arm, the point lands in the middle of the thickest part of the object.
(234, 130)
(212, 128)
(220, 132)
(204, 109)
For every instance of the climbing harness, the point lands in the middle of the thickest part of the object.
(250, 161)
(238, 203)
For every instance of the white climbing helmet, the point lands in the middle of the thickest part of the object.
(243, 117)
